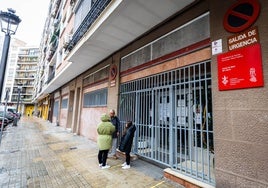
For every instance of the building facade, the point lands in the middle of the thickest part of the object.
(20, 76)
(11, 67)
(25, 79)
(191, 75)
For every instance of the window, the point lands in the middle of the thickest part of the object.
(96, 98)
(56, 109)
(82, 10)
(64, 103)
(97, 76)
(186, 35)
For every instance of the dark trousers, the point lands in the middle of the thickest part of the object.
(102, 156)
(127, 158)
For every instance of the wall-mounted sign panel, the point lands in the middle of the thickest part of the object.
(216, 47)
(246, 38)
(241, 68)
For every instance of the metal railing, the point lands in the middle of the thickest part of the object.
(173, 115)
(50, 77)
(92, 15)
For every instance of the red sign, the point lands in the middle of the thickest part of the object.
(113, 72)
(241, 15)
(241, 68)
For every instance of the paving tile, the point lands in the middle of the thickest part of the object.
(37, 154)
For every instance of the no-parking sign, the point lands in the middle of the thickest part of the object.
(241, 15)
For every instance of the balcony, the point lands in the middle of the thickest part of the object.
(50, 77)
(92, 15)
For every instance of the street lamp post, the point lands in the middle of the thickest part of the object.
(9, 24)
(16, 119)
(4, 115)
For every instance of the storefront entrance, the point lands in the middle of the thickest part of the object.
(173, 115)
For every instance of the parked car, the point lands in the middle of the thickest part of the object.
(10, 116)
(11, 113)
(7, 116)
(5, 122)
(13, 110)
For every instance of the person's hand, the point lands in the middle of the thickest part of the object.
(117, 133)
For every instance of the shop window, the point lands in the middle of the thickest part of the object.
(64, 103)
(177, 39)
(56, 109)
(95, 98)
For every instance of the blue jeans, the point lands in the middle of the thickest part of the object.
(114, 146)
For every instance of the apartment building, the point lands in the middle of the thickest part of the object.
(190, 74)
(25, 78)
(20, 75)
(10, 73)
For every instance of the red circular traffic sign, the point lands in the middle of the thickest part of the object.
(241, 15)
(113, 72)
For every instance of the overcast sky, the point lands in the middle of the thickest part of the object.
(33, 15)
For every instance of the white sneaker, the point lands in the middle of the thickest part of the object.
(126, 166)
(100, 165)
(104, 167)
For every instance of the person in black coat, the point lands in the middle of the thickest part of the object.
(126, 142)
(115, 121)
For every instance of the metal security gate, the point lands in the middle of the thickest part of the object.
(173, 115)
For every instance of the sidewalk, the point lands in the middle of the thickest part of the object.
(39, 154)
